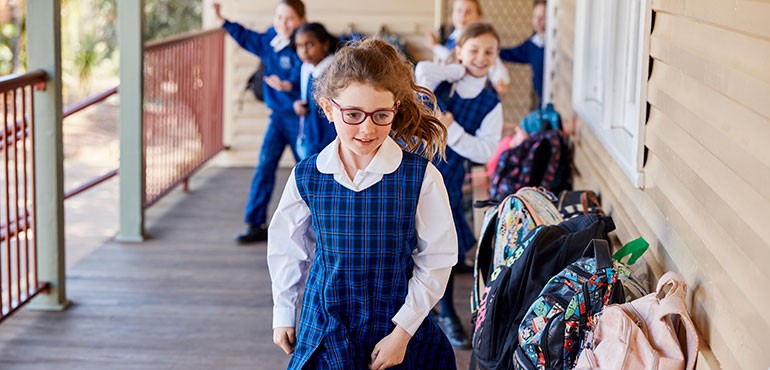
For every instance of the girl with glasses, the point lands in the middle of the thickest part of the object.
(474, 119)
(356, 227)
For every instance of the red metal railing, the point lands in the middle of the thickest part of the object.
(18, 248)
(75, 108)
(183, 108)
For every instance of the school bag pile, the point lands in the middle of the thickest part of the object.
(545, 280)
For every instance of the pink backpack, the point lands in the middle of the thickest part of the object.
(644, 333)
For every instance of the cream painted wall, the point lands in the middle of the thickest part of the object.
(704, 206)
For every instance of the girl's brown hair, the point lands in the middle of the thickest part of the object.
(475, 30)
(376, 63)
(297, 5)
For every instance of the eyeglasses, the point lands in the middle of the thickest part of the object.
(380, 117)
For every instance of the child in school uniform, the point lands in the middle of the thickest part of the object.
(531, 51)
(464, 13)
(474, 119)
(314, 46)
(358, 223)
(280, 89)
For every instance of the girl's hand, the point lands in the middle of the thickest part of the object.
(501, 87)
(390, 350)
(276, 83)
(300, 107)
(286, 338)
(218, 11)
(446, 118)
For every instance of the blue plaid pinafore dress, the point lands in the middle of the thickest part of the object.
(468, 113)
(358, 279)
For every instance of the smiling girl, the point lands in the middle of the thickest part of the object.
(358, 223)
(473, 116)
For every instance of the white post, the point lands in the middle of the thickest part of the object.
(132, 178)
(44, 52)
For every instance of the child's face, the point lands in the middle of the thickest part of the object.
(285, 20)
(359, 142)
(538, 18)
(478, 54)
(464, 13)
(309, 49)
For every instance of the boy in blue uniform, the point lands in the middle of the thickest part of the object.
(280, 89)
(531, 51)
(474, 119)
(358, 220)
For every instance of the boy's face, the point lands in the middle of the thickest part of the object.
(478, 54)
(309, 49)
(285, 20)
(538, 18)
(464, 13)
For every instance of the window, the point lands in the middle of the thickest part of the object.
(610, 76)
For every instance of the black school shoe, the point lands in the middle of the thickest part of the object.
(453, 330)
(252, 234)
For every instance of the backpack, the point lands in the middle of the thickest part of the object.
(558, 324)
(538, 118)
(254, 82)
(543, 160)
(645, 333)
(517, 283)
(578, 202)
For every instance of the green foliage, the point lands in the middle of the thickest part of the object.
(165, 18)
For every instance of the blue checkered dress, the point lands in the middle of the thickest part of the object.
(363, 261)
(468, 113)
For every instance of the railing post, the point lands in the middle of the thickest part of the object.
(44, 52)
(132, 161)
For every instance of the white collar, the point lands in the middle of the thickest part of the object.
(538, 40)
(386, 160)
(322, 66)
(278, 43)
(470, 86)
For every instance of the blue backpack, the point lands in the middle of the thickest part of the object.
(541, 119)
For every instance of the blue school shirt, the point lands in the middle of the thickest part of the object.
(283, 63)
(531, 52)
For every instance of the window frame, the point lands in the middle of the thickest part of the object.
(615, 106)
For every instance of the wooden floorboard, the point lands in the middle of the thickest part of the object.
(187, 298)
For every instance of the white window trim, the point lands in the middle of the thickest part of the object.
(622, 110)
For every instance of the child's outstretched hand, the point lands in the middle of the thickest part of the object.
(300, 107)
(501, 87)
(286, 338)
(218, 11)
(390, 350)
(276, 83)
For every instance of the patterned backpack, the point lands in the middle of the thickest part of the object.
(504, 226)
(559, 323)
(541, 160)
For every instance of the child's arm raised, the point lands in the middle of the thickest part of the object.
(290, 252)
(481, 145)
(430, 75)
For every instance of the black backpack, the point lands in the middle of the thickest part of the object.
(543, 160)
(255, 82)
(513, 287)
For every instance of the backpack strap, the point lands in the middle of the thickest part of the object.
(672, 306)
(601, 252)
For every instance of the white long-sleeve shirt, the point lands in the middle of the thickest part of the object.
(291, 241)
(481, 145)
